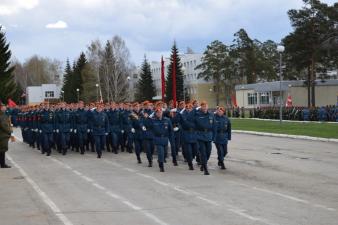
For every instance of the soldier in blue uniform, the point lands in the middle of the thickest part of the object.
(163, 132)
(221, 135)
(137, 130)
(100, 127)
(306, 114)
(175, 121)
(148, 143)
(63, 127)
(204, 121)
(115, 124)
(47, 123)
(322, 114)
(189, 134)
(90, 138)
(127, 135)
(81, 126)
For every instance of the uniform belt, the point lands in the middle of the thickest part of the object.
(98, 126)
(162, 135)
(222, 131)
(204, 130)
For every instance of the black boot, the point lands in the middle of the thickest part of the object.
(206, 172)
(201, 168)
(115, 150)
(222, 166)
(4, 166)
(175, 162)
(82, 150)
(139, 159)
(150, 164)
(191, 167)
(161, 167)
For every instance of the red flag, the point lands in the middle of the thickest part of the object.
(162, 78)
(174, 80)
(289, 101)
(11, 103)
(233, 100)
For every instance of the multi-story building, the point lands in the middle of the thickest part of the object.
(195, 88)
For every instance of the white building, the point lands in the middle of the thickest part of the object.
(194, 87)
(45, 92)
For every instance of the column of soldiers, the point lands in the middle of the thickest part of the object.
(132, 127)
(323, 114)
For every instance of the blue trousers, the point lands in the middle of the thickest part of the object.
(47, 142)
(190, 151)
(204, 151)
(82, 138)
(222, 151)
(100, 141)
(148, 146)
(138, 147)
(160, 152)
(64, 139)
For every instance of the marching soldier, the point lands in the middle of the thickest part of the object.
(81, 127)
(47, 122)
(115, 127)
(148, 143)
(221, 135)
(99, 127)
(204, 121)
(163, 132)
(137, 130)
(64, 127)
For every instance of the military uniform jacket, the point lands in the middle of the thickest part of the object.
(162, 130)
(99, 123)
(115, 120)
(204, 125)
(188, 126)
(47, 121)
(81, 120)
(147, 122)
(222, 130)
(5, 131)
(63, 120)
(137, 124)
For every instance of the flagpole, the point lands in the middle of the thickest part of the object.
(174, 79)
(162, 78)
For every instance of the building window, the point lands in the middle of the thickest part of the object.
(264, 98)
(252, 98)
(49, 94)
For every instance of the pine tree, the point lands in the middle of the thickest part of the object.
(67, 82)
(8, 87)
(179, 76)
(145, 87)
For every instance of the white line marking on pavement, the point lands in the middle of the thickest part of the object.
(113, 195)
(130, 170)
(231, 208)
(42, 194)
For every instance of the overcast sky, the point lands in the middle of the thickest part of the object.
(63, 28)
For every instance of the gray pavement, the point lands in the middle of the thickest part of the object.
(275, 181)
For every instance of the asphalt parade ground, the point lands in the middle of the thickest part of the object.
(268, 181)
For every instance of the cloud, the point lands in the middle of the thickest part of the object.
(58, 25)
(9, 7)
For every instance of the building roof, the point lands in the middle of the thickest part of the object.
(275, 85)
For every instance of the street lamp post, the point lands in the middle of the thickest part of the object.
(129, 80)
(97, 92)
(280, 49)
(63, 96)
(78, 94)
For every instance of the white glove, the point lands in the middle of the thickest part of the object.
(53, 131)
(176, 128)
(36, 130)
(144, 128)
(75, 131)
(32, 129)
(106, 134)
(57, 130)
(132, 130)
(122, 131)
(71, 130)
(40, 131)
(88, 130)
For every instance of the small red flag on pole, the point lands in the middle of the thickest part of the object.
(174, 79)
(162, 78)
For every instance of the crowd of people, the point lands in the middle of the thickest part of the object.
(323, 114)
(145, 127)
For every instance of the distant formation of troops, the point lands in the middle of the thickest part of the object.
(190, 128)
(323, 114)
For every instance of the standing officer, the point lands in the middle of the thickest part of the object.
(100, 126)
(81, 126)
(63, 118)
(5, 135)
(163, 132)
(221, 135)
(175, 146)
(47, 122)
(204, 121)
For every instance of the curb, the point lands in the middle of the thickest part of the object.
(300, 137)
(287, 121)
